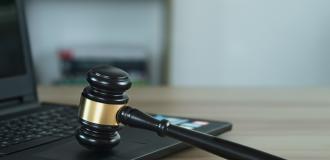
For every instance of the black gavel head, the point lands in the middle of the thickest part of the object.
(99, 104)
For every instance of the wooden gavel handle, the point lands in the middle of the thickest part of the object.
(223, 148)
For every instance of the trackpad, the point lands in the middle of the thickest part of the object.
(70, 150)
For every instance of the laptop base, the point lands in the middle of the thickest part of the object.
(135, 144)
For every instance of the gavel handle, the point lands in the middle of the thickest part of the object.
(223, 148)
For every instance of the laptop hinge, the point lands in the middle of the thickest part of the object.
(17, 104)
(16, 101)
(10, 102)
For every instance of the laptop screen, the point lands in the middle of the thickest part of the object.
(16, 72)
(11, 48)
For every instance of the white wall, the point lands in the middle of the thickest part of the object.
(54, 24)
(250, 43)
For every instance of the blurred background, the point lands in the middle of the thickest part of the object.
(213, 43)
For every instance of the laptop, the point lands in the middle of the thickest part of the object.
(45, 131)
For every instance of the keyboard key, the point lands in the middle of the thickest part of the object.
(29, 130)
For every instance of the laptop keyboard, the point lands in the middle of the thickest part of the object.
(37, 128)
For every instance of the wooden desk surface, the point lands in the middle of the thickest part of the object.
(292, 123)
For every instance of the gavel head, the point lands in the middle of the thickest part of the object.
(99, 104)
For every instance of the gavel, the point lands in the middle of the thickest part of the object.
(103, 107)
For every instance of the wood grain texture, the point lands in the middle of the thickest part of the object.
(292, 123)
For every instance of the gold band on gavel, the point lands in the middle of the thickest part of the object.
(99, 113)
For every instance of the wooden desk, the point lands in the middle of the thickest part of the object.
(293, 123)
